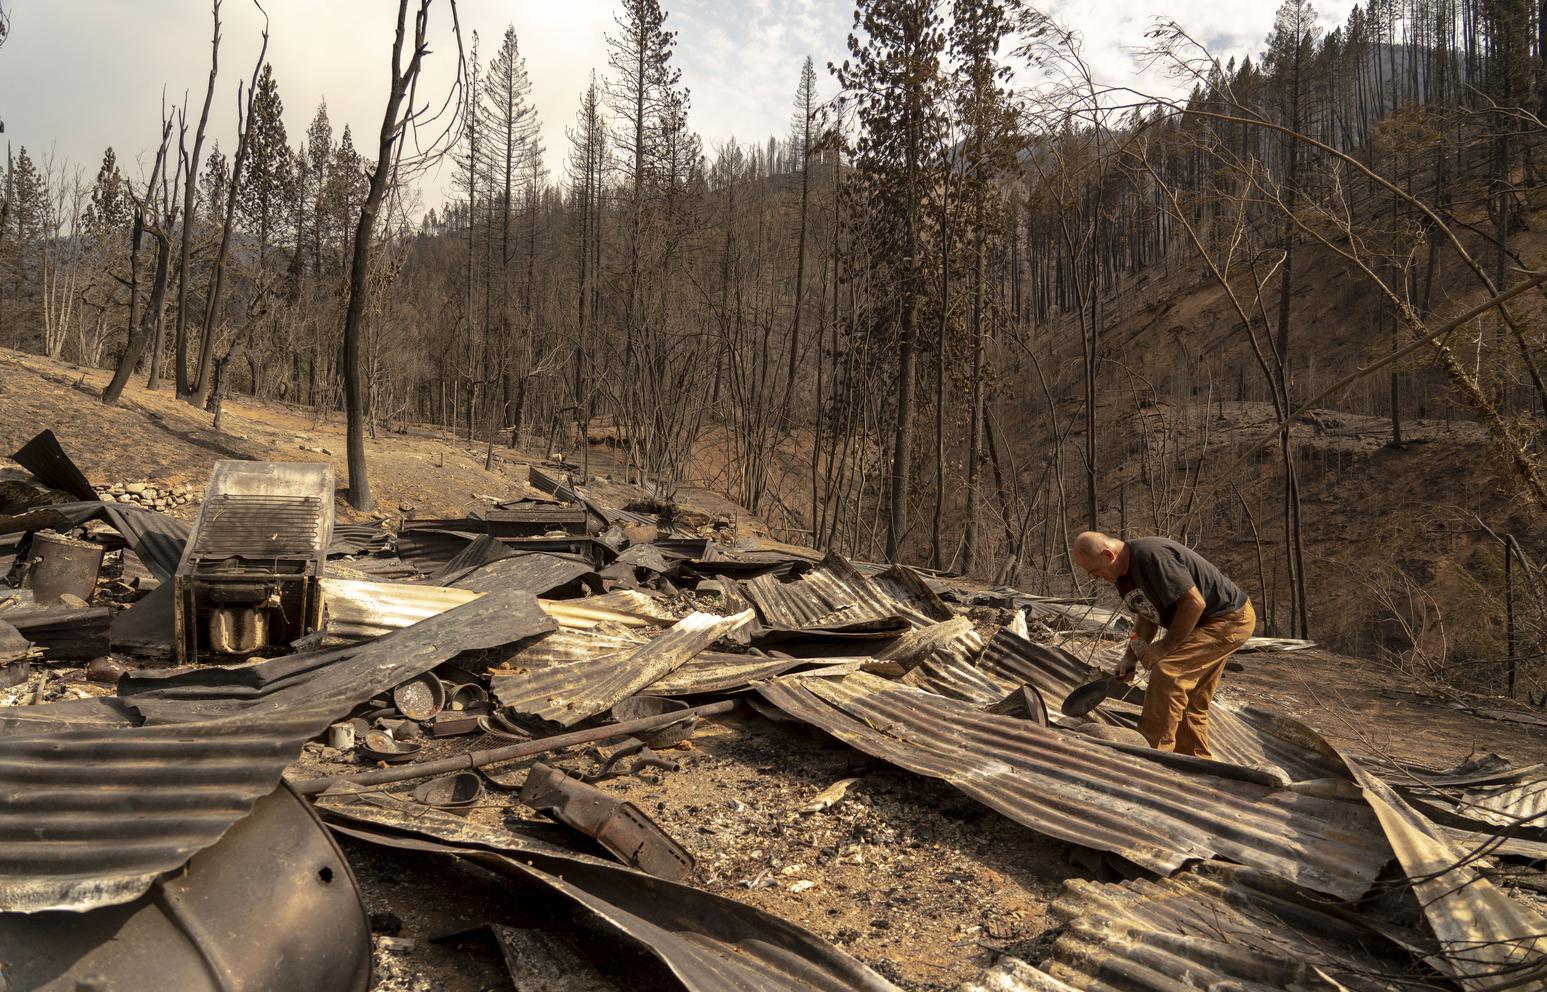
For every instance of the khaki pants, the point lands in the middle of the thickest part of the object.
(1176, 707)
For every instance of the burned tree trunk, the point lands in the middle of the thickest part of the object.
(393, 129)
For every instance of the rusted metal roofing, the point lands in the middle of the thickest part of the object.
(710, 943)
(89, 817)
(1217, 926)
(1240, 735)
(831, 596)
(536, 572)
(1487, 940)
(568, 689)
(156, 538)
(957, 639)
(716, 671)
(1085, 793)
(947, 675)
(622, 607)
(906, 588)
(370, 609)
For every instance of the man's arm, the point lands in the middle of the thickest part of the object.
(1189, 608)
(1143, 632)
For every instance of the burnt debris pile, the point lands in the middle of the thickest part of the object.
(201, 718)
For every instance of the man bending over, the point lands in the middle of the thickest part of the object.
(1206, 617)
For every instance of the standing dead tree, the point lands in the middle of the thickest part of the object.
(199, 388)
(400, 120)
(190, 194)
(155, 213)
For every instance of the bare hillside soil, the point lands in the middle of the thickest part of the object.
(152, 436)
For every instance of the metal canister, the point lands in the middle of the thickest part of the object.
(342, 736)
(62, 564)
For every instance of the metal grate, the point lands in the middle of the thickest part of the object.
(259, 526)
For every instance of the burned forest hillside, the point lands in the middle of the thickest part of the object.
(894, 496)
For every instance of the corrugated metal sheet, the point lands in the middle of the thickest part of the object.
(538, 573)
(715, 671)
(1240, 735)
(906, 588)
(1215, 927)
(354, 539)
(156, 538)
(1524, 803)
(1488, 940)
(553, 485)
(567, 690)
(1084, 793)
(947, 675)
(710, 943)
(622, 607)
(956, 639)
(370, 609)
(831, 596)
(88, 817)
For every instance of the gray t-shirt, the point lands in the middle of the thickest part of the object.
(1160, 572)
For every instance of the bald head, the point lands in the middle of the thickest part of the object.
(1101, 556)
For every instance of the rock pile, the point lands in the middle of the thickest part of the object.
(151, 495)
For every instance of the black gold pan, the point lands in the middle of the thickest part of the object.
(1092, 694)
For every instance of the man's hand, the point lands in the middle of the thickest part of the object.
(1127, 665)
(1150, 654)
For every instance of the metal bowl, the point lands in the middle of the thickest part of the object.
(639, 707)
(382, 746)
(456, 793)
(420, 697)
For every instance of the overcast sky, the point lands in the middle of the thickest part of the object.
(79, 75)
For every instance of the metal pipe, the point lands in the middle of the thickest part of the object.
(477, 759)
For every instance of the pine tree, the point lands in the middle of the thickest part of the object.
(319, 152)
(978, 27)
(894, 84)
(267, 176)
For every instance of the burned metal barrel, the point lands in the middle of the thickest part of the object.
(272, 905)
(251, 573)
(60, 565)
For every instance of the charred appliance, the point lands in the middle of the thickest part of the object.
(251, 573)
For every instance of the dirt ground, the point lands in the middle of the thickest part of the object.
(151, 436)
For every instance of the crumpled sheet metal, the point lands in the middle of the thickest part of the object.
(1522, 803)
(1240, 735)
(89, 817)
(277, 864)
(44, 457)
(535, 572)
(1084, 793)
(354, 539)
(915, 599)
(371, 609)
(956, 639)
(566, 690)
(947, 675)
(831, 596)
(710, 943)
(621, 607)
(1217, 926)
(156, 538)
(1487, 940)
(709, 671)
(719, 671)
